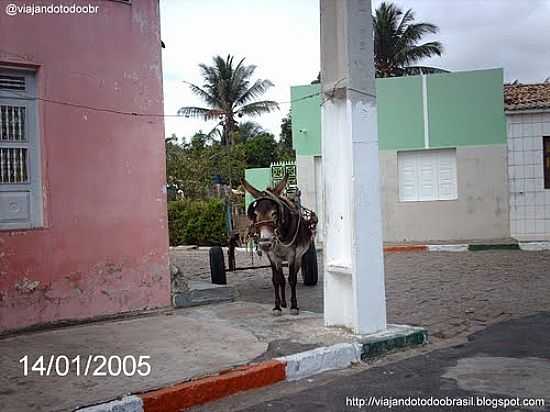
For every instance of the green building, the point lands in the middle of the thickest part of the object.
(442, 141)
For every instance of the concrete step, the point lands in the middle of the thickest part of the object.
(203, 293)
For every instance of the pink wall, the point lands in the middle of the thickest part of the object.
(104, 247)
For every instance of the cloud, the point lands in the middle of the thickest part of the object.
(281, 37)
(480, 34)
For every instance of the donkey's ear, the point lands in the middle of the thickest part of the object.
(277, 190)
(251, 189)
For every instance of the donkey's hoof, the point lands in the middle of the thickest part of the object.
(294, 311)
(283, 304)
(277, 312)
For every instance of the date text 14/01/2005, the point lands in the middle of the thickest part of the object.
(90, 365)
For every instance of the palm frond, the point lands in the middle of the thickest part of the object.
(241, 79)
(199, 112)
(215, 133)
(256, 90)
(413, 54)
(248, 130)
(203, 94)
(415, 32)
(258, 108)
(407, 18)
(414, 70)
(396, 38)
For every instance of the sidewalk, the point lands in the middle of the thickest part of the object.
(182, 344)
(451, 294)
(508, 360)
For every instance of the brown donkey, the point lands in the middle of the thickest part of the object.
(283, 234)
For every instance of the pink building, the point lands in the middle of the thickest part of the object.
(83, 226)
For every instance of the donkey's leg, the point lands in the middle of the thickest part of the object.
(275, 279)
(282, 285)
(293, 279)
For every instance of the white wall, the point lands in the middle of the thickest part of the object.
(479, 213)
(529, 201)
(308, 172)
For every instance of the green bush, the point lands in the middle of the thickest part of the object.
(197, 222)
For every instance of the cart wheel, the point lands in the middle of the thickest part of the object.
(310, 270)
(217, 266)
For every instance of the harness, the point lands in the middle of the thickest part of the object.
(282, 205)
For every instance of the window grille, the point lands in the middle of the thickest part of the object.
(12, 123)
(20, 183)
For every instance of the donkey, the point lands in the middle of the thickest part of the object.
(284, 235)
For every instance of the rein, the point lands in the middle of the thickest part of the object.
(277, 240)
(264, 222)
(270, 196)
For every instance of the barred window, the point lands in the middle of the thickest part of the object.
(20, 185)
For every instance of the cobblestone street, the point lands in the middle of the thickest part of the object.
(451, 294)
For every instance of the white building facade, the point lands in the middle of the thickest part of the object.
(528, 124)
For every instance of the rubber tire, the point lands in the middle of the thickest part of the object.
(217, 266)
(310, 268)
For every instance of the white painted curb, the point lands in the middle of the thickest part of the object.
(534, 246)
(448, 248)
(526, 246)
(127, 404)
(312, 362)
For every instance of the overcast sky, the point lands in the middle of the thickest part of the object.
(281, 37)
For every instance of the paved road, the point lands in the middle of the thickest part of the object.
(452, 294)
(507, 360)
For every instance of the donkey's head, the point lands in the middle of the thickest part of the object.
(265, 212)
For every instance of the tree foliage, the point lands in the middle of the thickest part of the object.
(191, 166)
(196, 222)
(248, 130)
(261, 150)
(285, 151)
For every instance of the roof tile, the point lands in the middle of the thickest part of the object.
(527, 96)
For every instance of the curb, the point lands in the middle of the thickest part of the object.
(201, 292)
(309, 363)
(531, 246)
(130, 403)
(290, 368)
(395, 337)
(196, 392)
(534, 246)
(405, 248)
(448, 248)
(500, 246)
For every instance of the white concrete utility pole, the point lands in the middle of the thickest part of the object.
(353, 249)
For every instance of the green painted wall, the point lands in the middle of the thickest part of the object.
(464, 109)
(260, 178)
(399, 108)
(306, 119)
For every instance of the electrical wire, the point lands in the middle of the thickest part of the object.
(128, 113)
(330, 96)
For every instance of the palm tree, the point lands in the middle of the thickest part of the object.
(229, 93)
(248, 130)
(396, 38)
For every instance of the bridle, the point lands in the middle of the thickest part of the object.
(274, 223)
